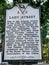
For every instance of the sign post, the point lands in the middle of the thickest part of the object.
(22, 34)
(0, 57)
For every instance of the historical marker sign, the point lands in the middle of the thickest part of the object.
(22, 33)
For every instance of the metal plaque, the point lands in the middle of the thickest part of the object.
(22, 33)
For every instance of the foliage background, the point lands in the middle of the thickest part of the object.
(44, 20)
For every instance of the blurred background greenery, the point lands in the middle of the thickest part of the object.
(44, 20)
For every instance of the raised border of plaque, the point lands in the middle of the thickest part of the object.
(25, 60)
